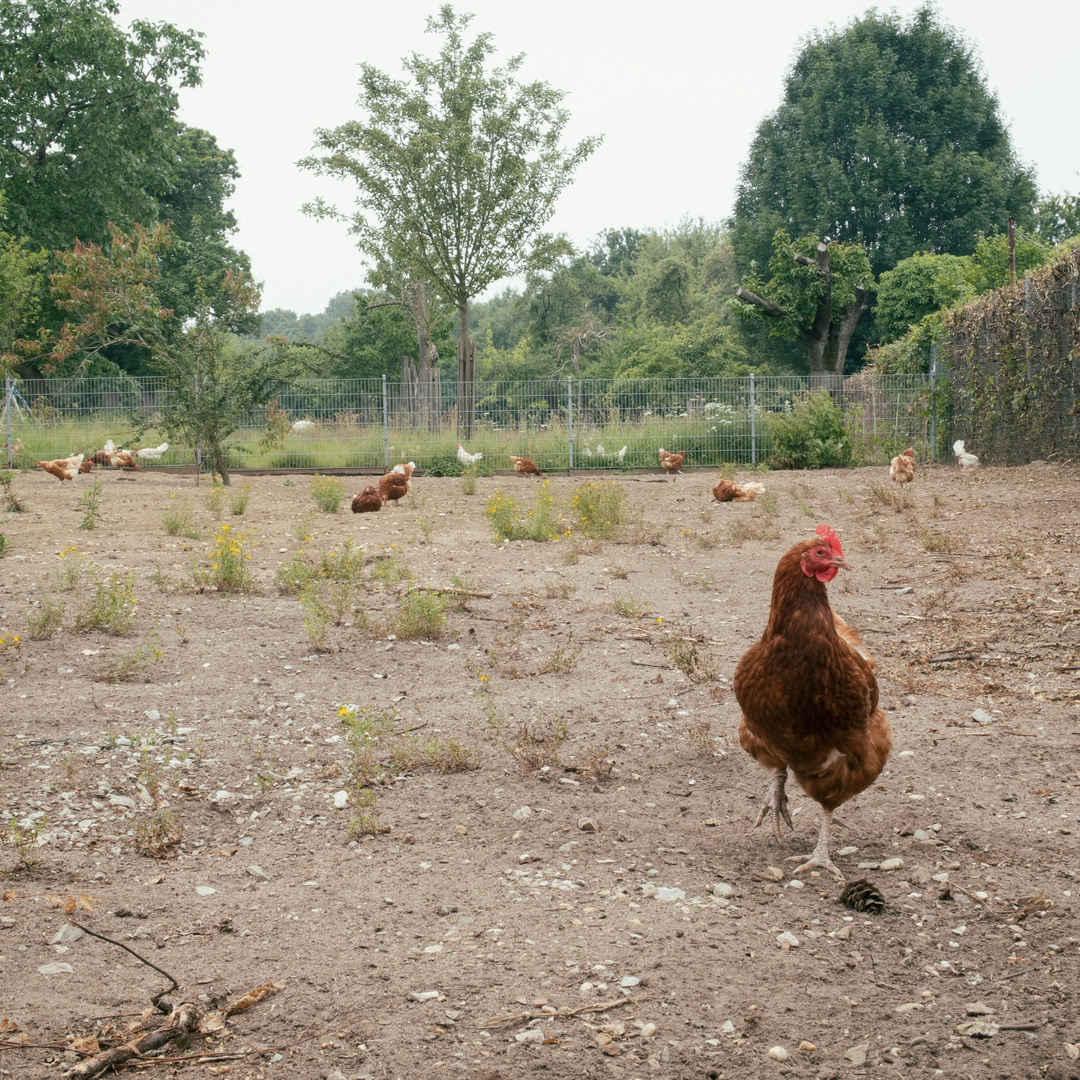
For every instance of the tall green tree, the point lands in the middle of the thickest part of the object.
(22, 281)
(87, 130)
(457, 170)
(816, 295)
(887, 136)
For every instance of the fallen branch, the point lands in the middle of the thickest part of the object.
(646, 663)
(1023, 971)
(515, 1018)
(183, 1020)
(449, 591)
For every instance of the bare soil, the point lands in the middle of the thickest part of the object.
(573, 920)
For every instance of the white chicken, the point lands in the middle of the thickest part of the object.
(467, 460)
(302, 426)
(151, 453)
(621, 454)
(967, 461)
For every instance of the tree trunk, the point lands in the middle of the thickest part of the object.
(466, 374)
(427, 374)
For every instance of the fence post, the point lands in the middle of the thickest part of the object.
(570, 419)
(385, 428)
(8, 384)
(933, 402)
(753, 434)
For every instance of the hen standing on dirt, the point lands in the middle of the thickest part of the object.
(808, 695)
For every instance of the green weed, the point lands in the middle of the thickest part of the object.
(179, 518)
(91, 502)
(327, 491)
(599, 507)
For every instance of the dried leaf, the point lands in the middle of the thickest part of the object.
(8, 1025)
(86, 1045)
(241, 1003)
(8, 896)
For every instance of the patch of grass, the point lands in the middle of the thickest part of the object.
(12, 502)
(936, 603)
(90, 502)
(697, 664)
(894, 498)
(844, 495)
(22, 837)
(701, 738)
(42, 624)
(228, 570)
(111, 607)
(123, 665)
(346, 564)
(390, 569)
(327, 491)
(560, 661)
(5, 545)
(620, 573)
(629, 608)
(157, 831)
(214, 499)
(421, 615)
(599, 506)
(744, 529)
(239, 499)
(806, 510)
(535, 744)
(598, 763)
(935, 541)
(179, 518)
(559, 590)
(468, 481)
(511, 522)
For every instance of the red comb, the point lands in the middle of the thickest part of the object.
(831, 539)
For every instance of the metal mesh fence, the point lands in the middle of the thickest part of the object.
(560, 423)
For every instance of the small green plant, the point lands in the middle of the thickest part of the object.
(344, 565)
(511, 522)
(768, 504)
(179, 517)
(895, 498)
(22, 836)
(228, 570)
(295, 576)
(390, 569)
(468, 480)
(560, 661)
(629, 608)
(76, 568)
(214, 499)
(599, 506)
(43, 623)
(935, 541)
(535, 744)
(123, 666)
(844, 495)
(425, 526)
(687, 655)
(598, 763)
(701, 738)
(327, 491)
(157, 831)
(422, 615)
(12, 502)
(239, 499)
(5, 545)
(90, 502)
(365, 819)
(743, 529)
(111, 607)
(318, 617)
(559, 590)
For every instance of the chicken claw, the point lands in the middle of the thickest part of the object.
(776, 801)
(819, 857)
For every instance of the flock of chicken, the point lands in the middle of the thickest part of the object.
(68, 468)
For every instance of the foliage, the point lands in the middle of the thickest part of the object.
(888, 136)
(228, 570)
(917, 287)
(214, 381)
(511, 522)
(421, 615)
(122, 666)
(42, 624)
(21, 283)
(1057, 219)
(809, 435)
(90, 503)
(599, 506)
(5, 543)
(179, 517)
(457, 171)
(12, 503)
(238, 500)
(327, 491)
(111, 606)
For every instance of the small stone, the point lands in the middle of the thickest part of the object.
(807, 1046)
(976, 1029)
(787, 940)
(258, 873)
(778, 1053)
(66, 935)
(981, 716)
(205, 890)
(796, 883)
(893, 864)
(849, 850)
(336, 1074)
(341, 800)
(421, 995)
(588, 824)
(56, 969)
(460, 830)
(648, 1030)
(670, 895)
(908, 1006)
(723, 890)
(533, 1035)
(122, 800)
(978, 1008)
(771, 889)
(628, 982)
(522, 813)
(528, 857)
(773, 873)
(843, 933)
(857, 1055)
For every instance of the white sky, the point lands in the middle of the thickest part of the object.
(676, 90)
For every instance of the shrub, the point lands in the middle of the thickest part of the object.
(229, 570)
(327, 491)
(511, 522)
(599, 507)
(179, 518)
(809, 435)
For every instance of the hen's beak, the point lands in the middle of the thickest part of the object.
(841, 563)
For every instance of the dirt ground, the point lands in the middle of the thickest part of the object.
(599, 908)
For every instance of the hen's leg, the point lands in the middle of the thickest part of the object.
(819, 857)
(776, 801)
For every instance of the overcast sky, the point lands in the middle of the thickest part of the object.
(677, 92)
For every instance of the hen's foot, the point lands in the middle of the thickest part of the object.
(775, 801)
(817, 860)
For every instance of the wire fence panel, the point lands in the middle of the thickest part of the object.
(561, 424)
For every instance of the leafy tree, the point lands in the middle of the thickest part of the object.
(213, 379)
(817, 301)
(1057, 219)
(87, 134)
(457, 172)
(990, 263)
(21, 283)
(887, 136)
(915, 287)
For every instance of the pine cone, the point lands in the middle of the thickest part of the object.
(862, 896)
